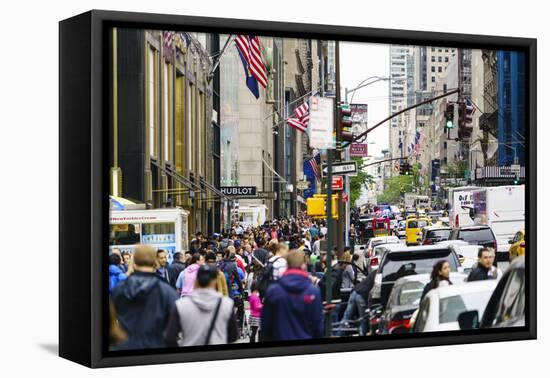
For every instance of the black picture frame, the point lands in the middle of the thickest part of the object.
(83, 166)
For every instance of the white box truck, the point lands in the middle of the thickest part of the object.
(461, 201)
(166, 229)
(252, 215)
(503, 209)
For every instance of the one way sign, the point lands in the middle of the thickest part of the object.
(342, 168)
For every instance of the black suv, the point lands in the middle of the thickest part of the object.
(477, 235)
(405, 262)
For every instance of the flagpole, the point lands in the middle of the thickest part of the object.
(218, 59)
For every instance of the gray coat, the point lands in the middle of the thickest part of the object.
(193, 316)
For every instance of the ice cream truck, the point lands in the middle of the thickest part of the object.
(166, 229)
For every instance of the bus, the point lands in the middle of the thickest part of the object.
(166, 229)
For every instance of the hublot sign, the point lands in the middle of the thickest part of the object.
(237, 191)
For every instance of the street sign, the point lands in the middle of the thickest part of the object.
(515, 168)
(342, 168)
(302, 185)
(358, 150)
(337, 183)
(321, 122)
(238, 191)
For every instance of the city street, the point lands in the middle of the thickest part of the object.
(272, 189)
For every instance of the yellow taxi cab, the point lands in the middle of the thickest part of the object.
(413, 229)
(517, 245)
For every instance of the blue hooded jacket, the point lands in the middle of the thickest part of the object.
(292, 309)
(116, 274)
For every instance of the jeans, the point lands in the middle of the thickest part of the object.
(356, 303)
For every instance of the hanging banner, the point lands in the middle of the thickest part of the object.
(321, 122)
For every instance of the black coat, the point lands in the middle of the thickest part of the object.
(174, 271)
(364, 287)
(479, 273)
(143, 304)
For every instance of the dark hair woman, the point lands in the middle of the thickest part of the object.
(439, 277)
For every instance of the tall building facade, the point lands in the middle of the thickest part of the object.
(163, 143)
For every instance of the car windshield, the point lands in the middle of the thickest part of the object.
(451, 307)
(438, 234)
(476, 235)
(384, 241)
(402, 264)
(410, 293)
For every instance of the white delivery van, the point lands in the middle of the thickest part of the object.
(166, 229)
(461, 200)
(252, 215)
(503, 209)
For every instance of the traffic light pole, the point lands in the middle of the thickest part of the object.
(341, 212)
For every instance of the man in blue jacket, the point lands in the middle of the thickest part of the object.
(293, 305)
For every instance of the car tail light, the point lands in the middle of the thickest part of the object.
(522, 244)
(427, 241)
(398, 323)
(456, 221)
(374, 261)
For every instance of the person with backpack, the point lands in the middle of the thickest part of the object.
(185, 283)
(205, 317)
(293, 305)
(273, 270)
(234, 277)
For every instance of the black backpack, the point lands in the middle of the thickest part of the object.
(265, 277)
(337, 278)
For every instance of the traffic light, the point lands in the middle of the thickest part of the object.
(405, 169)
(449, 116)
(346, 122)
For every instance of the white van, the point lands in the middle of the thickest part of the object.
(166, 229)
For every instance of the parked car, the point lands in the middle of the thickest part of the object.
(517, 245)
(434, 234)
(407, 261)
(506, 307)
(441, 307)
(404, 301)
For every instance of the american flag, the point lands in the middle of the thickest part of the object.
(302, 117)
(249, 46)
(297, 124)
(314, 163)
(168, 40)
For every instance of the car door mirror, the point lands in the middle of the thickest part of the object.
(510, 241)
(468, 320)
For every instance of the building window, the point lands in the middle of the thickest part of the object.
(445, 87)
(191, 126)
(433, 58)
(166, 110)
(440, 59)
(433, 79)
(446, 50)
(179, 123)
(433, 68)
(445, 145)
(439, 50)
(439, 69)
(433, 49)
(446, 59)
